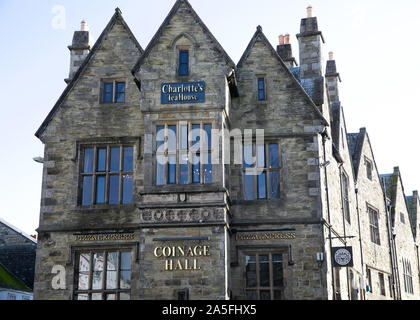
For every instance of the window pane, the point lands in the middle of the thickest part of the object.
(261, 89)
(171, 138)
(277, 270)
(100, 189)
(111, 276)
(208, 169)
(160, 138)
(98, 270)
(108, 90)
(262, 186)
(248, 186)
(114, 189)
(128, 159)
(88, 163)
(160, 170)
(184, 137)
(183, 167)
(87, 191)
(84, 267)
(273, 150)
(183, 62)
(96, 296)
(251, 271)
(125, 270)
(274, 185)
(196, 169)
(115, 160)
(101, 160)
(195, 137)
(261, 156)
(265, 295)
(120, 94)
(84, 296)
(124, 296)
(172, 169)
(207, 137)
(248, 160)
(127, 189)
(264, 263)
(251, 295)
(112, 296)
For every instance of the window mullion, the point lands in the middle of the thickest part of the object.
(120, 176)
(107, 169)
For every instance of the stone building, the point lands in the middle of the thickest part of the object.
(174, 173)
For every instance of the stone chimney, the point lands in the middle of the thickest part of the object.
(332, 77)
(284, 49)
(310, 57)
(79, 49)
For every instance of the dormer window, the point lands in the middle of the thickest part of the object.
(183, 69)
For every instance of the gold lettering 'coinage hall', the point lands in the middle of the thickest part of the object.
(183, 252)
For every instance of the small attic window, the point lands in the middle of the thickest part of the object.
(369, 169)
(261, 89)
(183, 69)
(113, 91)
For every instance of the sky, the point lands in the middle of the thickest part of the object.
(375, 45)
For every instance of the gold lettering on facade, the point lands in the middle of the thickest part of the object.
(187, 257)
(105, 237)
(266, 236)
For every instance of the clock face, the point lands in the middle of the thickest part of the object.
(342, 257)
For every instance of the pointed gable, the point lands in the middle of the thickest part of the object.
(260, 49)
(116, 19)
(185, 6)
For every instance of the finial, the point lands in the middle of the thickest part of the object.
(259, 28)
(117, 10)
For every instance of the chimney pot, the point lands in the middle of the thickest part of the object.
(331, 54)
(84, 26)
(287, 38)
(309, 10)
(281, 39)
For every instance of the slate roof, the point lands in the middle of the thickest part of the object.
(116, 17)
(9, 281)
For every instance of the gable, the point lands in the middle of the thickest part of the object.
(182, 12)
(286, 99)
(130, 41)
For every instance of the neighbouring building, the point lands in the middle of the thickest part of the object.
(159, 183)
(17, 263)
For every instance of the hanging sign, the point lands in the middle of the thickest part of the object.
(343, 257)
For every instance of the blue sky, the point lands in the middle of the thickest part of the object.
(374, 42)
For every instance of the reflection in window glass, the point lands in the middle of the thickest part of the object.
(127, 189)
(274, 155)
(262, 186)
(183, 168)
(251, 271)
(108, 92)
(125, 270)
(111, 275)
(128, 159)
(124, 296)
(196, 168)
(248, 186)
(83, 297)
(160, 170)
(88, 163)
(264, 271)
(115, 159)
(171, 138)
(114, 189)
(84, 268)
(87, 191)
(277, 270)
(172, 169)
(120, 92)
(100, 189)
(96, 296)
(208, 168)
(101, 160)
(184, 137)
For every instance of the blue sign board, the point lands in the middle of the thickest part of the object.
(185, 92)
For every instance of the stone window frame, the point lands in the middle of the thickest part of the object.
(191, 55)
(270, 252)
(114, 91)
(178, 151)
(266, 169)
(79, 250)
(103, 142)
(369, 168)
(373, 215)
(345, 185)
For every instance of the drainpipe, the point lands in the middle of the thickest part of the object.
(324, 139)
(393, 254)
(356, 190)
